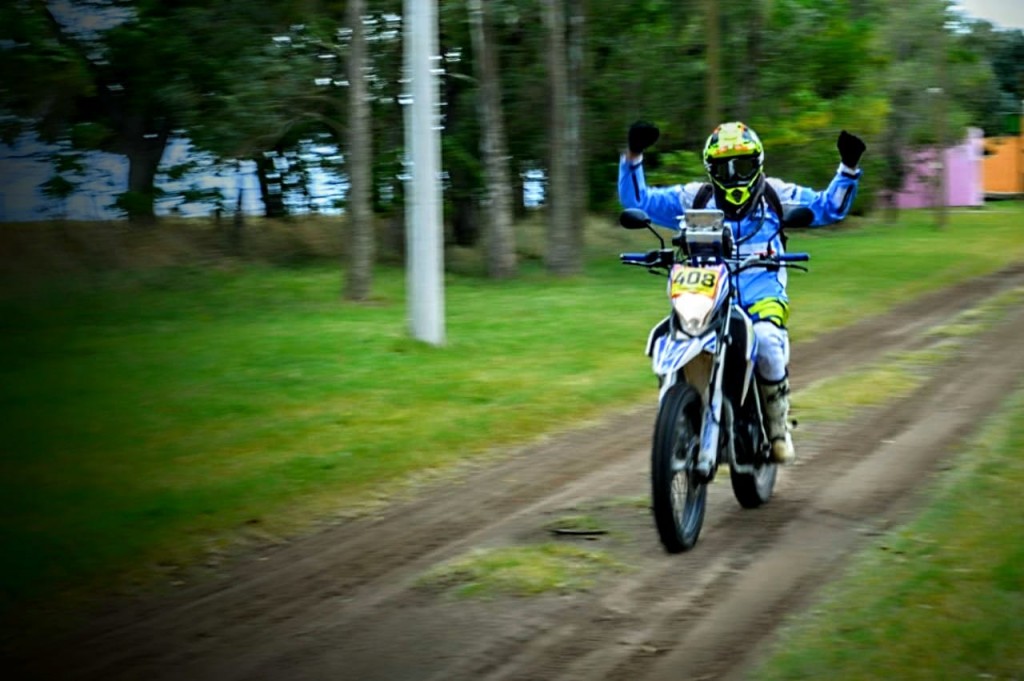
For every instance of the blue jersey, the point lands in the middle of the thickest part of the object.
(755, 232)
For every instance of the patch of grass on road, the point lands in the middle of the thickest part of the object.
(521, 571)
(940, 598)
(577, 522)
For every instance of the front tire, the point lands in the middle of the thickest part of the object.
(678, 501)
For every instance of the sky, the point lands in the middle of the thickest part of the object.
(1003, 13)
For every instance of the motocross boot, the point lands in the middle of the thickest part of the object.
(775, 397)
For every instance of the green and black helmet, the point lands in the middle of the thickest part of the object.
(734, 160)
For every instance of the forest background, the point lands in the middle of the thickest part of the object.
(309, 94)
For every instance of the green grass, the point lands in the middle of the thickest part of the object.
(940, 598)
(520, 571)
(151, 419)
(577, 522)
(874, 266)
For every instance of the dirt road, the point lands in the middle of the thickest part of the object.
(347, 604)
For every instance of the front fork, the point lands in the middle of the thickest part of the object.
(711, 429)
(674, 363)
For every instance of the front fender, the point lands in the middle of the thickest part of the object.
(670, 352)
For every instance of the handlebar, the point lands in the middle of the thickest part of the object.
(771, 262)
(665, 257)
(633, 258)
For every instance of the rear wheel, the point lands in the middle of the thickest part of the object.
(678, 500)
(752, 489)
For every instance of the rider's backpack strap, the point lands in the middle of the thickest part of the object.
(771, 197)
(700, 201)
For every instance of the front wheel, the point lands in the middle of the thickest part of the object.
(678, 499)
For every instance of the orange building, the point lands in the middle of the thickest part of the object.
(1003, 165)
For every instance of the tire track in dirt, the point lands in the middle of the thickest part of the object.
(318, 594)
(694, 616)
(886, 462)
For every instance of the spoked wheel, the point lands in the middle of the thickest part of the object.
(677, 498)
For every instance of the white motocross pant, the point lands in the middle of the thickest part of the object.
(772, 351)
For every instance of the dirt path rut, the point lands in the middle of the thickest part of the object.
(345, 603)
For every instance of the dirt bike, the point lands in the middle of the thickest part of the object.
(710, 412)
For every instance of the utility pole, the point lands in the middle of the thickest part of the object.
(423, 210)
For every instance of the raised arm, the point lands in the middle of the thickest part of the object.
(833, 203)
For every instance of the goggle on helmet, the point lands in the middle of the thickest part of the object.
(733, 158)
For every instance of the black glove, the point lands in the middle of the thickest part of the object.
(850, 149)
(642, 135)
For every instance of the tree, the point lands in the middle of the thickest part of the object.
(560, 257)
(712, 84)
(989, 65)
(895, 146)
(359, 162)
(574, 122)
(122, 77)
(498, 217)
(43, 75)
(267, 80)
(102, 109)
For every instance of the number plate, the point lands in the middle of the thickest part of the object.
(694, 280)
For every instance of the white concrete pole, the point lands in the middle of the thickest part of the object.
(423, 211)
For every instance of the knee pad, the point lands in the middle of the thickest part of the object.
(772, 351)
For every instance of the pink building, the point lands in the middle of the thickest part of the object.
(964, 176)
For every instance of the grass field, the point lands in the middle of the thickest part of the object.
(153, 418)
(940, 598)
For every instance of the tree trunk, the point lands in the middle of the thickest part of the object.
(463, 191)
(713, 113)
(748, 91)
(465, 220)
(271, 189)
(941, 111)
(499, 233)
(574, 122)
(237, 225)
(359, 164)
(144, 147)
(560, 258)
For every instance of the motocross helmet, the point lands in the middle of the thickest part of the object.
(734, 159)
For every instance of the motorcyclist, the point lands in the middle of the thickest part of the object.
(734, 160)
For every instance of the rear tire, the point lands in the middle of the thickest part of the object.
(754, 489)
(751, 489)
(678, 501)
